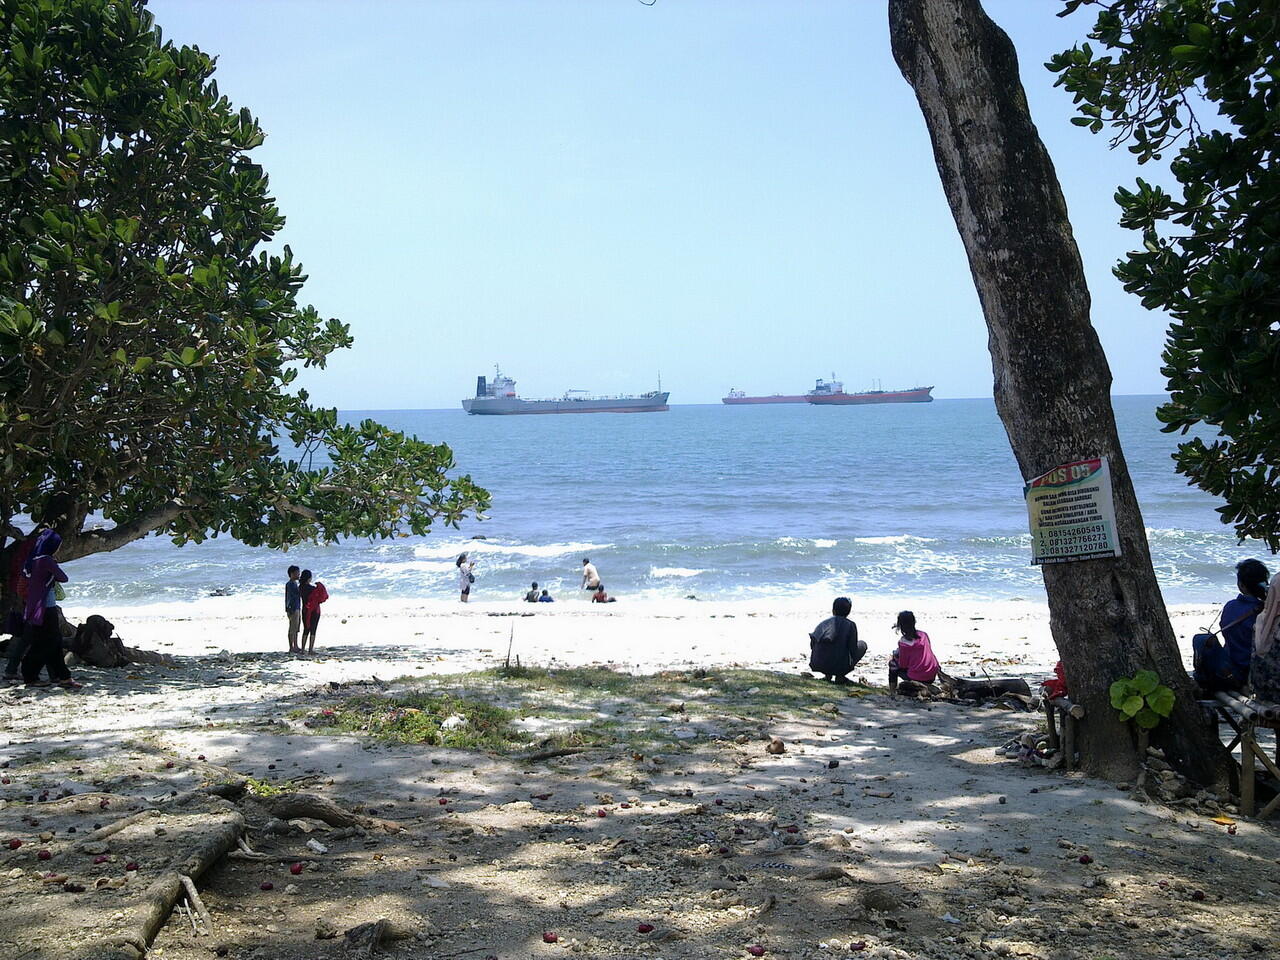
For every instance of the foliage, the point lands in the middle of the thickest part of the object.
(420, 717)
(148, 339)
(1210, 255)
(1143, 699)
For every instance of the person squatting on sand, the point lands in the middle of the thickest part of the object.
(834, 647)
(914, 659)
(40, 645)
(590, 578)
(466, 575)
(313, 594)
(293, 607)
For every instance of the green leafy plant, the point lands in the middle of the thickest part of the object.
(151, 332)
(1143, 699)
(1193, 82)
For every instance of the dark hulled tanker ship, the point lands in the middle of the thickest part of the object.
(498, 398)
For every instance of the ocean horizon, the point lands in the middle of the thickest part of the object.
(717, 503)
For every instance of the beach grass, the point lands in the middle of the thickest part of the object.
(510, 710)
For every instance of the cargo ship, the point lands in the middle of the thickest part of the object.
(498, 398)
(833, 395)
(832, 392)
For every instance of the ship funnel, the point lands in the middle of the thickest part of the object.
(481, 386)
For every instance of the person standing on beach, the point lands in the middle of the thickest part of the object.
(834, 647)
(313, 594)
(42, 635)
(293, 607)
(914, 659)
(466, 576)
(590, 578)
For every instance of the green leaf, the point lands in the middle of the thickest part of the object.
(1161, 701)
(188, 356)
(1199, 34)
(142, 363)
(1144, 681)
(1132, 705)
(1186, 52)
(1119, 693)
(1146, 719)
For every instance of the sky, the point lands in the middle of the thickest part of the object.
(593, 193)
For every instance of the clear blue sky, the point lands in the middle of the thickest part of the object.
(736, 193)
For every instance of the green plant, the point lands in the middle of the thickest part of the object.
(1196, 80)
(1143, 699)
(151, 332)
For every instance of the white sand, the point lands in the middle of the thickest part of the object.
(231, 654)
(1002, 637)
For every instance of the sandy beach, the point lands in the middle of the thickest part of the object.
(387, 640)
(886, 827)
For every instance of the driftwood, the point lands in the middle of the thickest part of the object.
(143, 921)
(291, 806)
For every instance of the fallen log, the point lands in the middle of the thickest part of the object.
(143, 921)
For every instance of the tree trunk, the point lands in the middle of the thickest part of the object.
(1052, 382)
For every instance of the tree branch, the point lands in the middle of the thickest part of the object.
(97, 541)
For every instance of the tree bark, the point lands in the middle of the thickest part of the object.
(1052, 382)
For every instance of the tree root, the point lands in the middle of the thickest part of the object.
(291, 806)
(144, 920)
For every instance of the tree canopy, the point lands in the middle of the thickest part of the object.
(1201, 78)
(149, 340)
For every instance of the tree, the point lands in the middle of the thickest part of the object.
(1052, 382)
(148, 342)
(1211, 256)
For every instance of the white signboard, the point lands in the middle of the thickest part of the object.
(1071, 513)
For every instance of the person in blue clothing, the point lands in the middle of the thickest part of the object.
(293, 607)
(546, 598)
(1238, 617)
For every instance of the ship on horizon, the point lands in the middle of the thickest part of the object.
(831, 393)
(498, 398)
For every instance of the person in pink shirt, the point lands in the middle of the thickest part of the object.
(914, 659)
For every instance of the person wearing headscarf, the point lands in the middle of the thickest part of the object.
(1264, 672)
(41, 648)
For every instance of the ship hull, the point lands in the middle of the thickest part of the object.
(513, 406)
(776, 398)
(921, 395)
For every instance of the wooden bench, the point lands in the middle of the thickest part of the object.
(1246, 716)
(1062, 711)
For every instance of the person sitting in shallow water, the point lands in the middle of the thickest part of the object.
(546, 598)
(834, 647)
(532, 595)
(600, 596)
(914, 659)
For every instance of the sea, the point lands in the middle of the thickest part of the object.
(715, 503)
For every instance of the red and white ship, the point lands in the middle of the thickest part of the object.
(831, 393)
